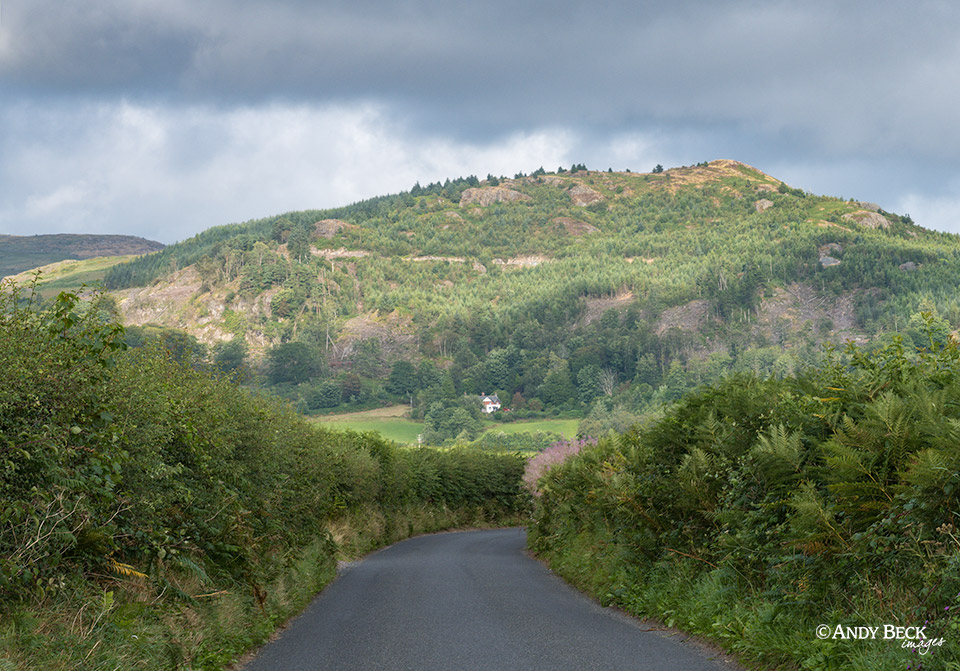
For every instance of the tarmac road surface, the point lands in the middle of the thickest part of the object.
(468, 601)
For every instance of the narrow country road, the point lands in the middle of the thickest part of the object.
(467, 601)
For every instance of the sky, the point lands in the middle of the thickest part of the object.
(164, 118)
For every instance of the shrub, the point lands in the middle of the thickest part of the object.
(772, 493)
(556, 454)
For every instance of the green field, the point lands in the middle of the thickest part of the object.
(403, 431)
(390, 423)
(70, 275)
(565, 427)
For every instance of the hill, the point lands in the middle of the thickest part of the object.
(69, 274)
(557, 290)
(23, 252)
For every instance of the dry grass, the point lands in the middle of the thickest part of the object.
(715, 171)
(830, 224)
(376, 413)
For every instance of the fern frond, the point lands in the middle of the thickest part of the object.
(125, 570)
(191, 566)
(778, 455)
(930, 468)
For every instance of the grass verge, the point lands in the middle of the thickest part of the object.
(761, 631)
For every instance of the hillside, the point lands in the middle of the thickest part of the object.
(23, 252)
(68, 275)
(554, 289)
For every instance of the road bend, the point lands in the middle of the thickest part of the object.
(468, 601)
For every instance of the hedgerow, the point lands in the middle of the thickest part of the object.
(758, 509)
(146, 506)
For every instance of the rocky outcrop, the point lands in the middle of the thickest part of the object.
(341, 253)
(763, 204)
(574, 227)
(687, 317)
(448, 259)
(596, 307)
(583, 195)
(394, 333)
(831, 317)
(908, 267)
(531, 261)
(868, 219)
(180, 301)
(327, 228)
(489, 195)
(826, 250)
(549, 180)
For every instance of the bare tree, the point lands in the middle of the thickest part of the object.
(608, 381)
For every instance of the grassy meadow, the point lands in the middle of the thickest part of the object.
(565, 427)
(389, 422)
(393, 424)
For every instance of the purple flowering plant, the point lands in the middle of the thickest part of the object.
(557, 453)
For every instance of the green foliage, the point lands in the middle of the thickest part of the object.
(132, 479)
(763, 496)
(557, 389)
(286, 303)
(403, 379)
(446, 420)
(525, 442)
(230, 357)
(589, 383)
(324, 394)
(179, 345)
(294, 362)
(603, 420)
(368, 357)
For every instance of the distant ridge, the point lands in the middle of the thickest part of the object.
(22, 252)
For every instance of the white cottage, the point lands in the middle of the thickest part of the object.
(489, 403)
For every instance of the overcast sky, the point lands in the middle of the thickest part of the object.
(163, 118)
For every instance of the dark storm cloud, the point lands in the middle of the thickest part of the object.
(862, 76)
(172, 116)
(90, 47)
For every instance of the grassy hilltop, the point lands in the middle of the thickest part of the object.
(21, 252)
